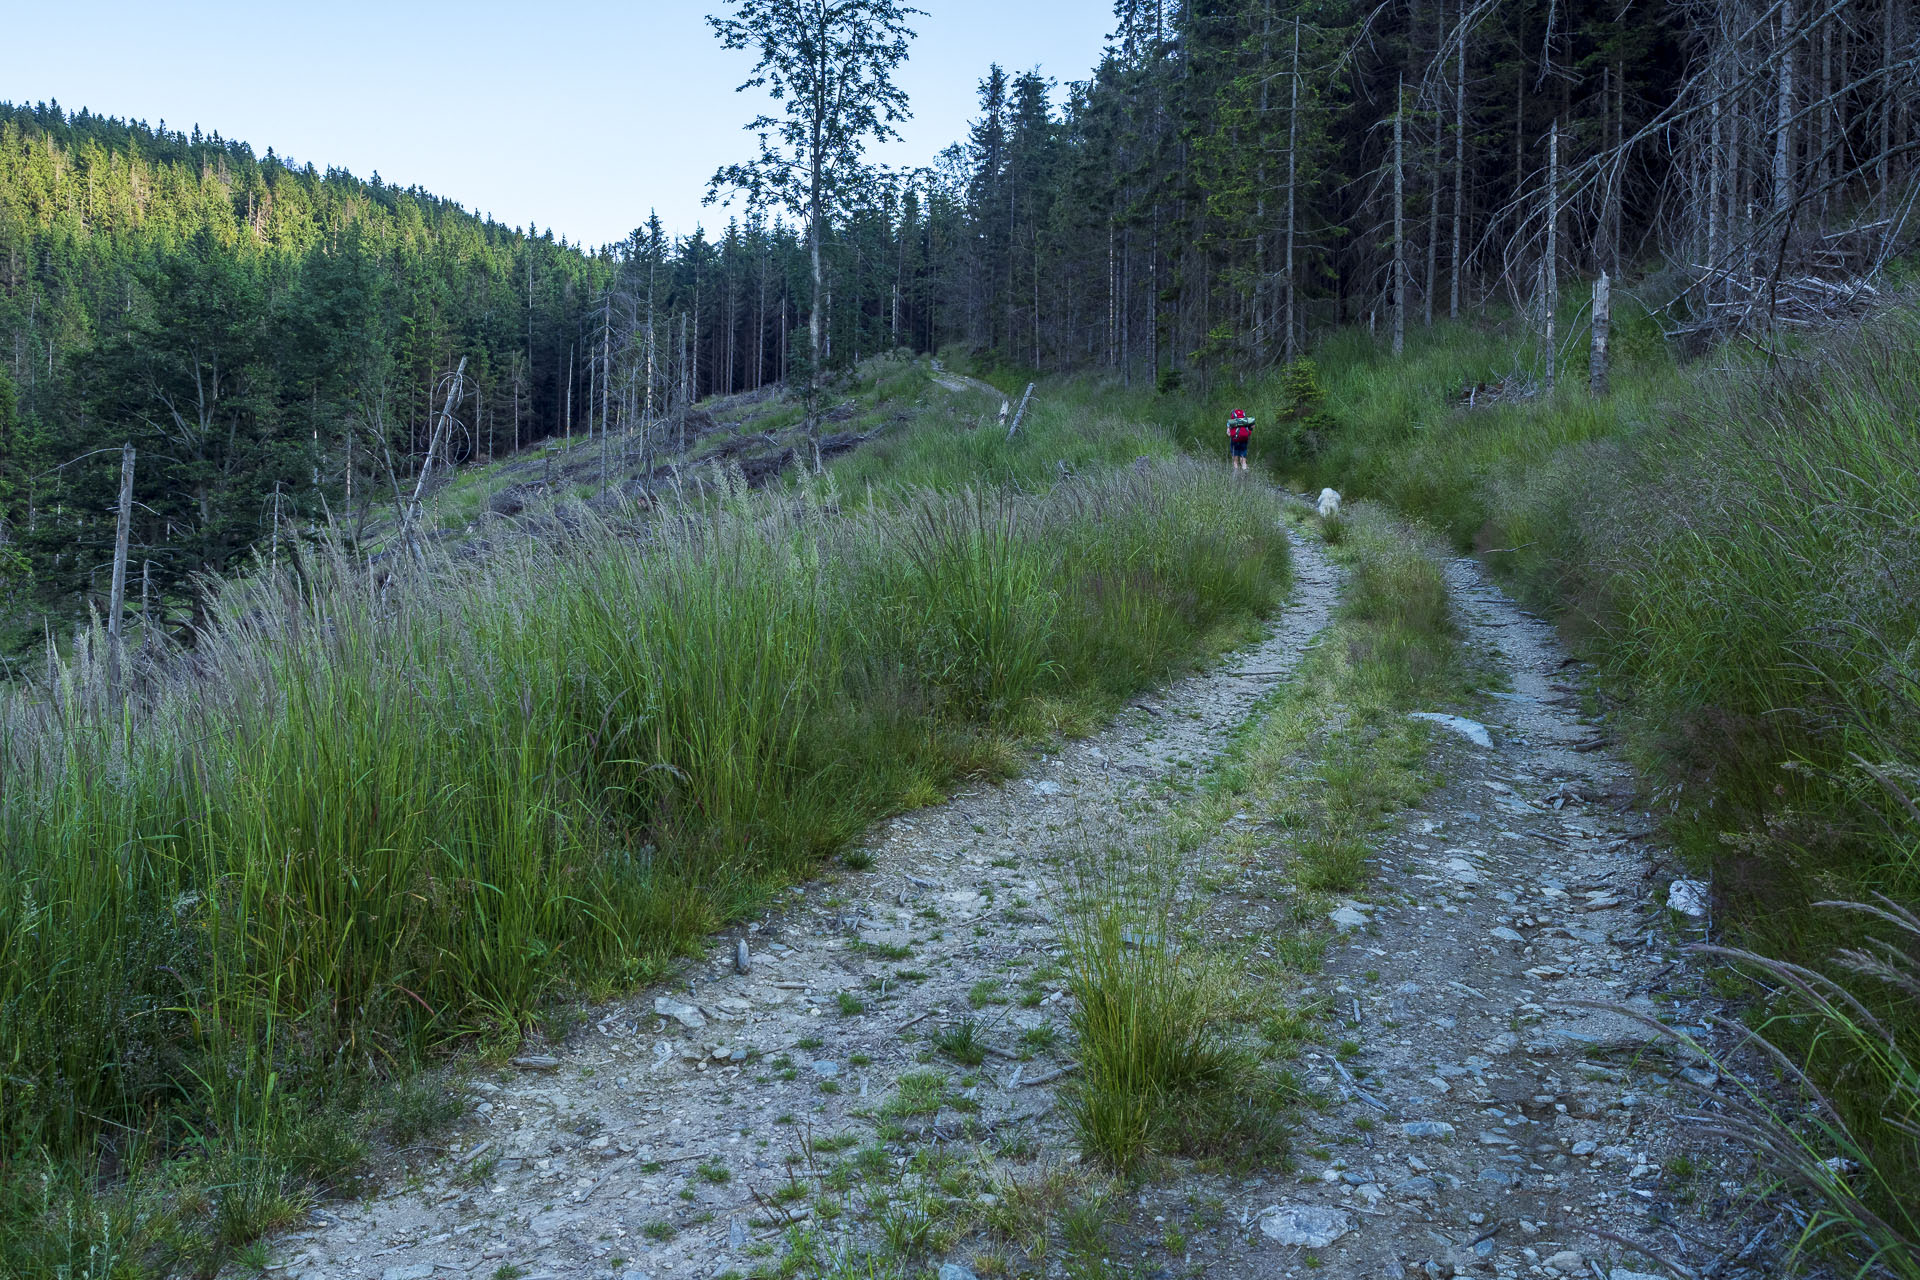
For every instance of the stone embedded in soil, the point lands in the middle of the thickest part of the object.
(1304, 1225)
(1348, 918)
(1427, 1129)
(1472, 730)
(684, 1014)
(418, 1271)
(1568, 1262)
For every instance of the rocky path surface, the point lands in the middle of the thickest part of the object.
(1490, 1120)
(671, 1136)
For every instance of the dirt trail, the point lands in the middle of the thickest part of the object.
(652, 1137)
(1492, 1122)
(961, 382)
(1485, 1121)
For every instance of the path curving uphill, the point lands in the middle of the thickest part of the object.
(1498, 1108)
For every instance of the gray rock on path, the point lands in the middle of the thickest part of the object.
(416, 1271)
(954, 1271)
(684, 1014)
(1349, 918)
(1306, 1226)
(1472, 730)
(1427, 1129)
(742, 958)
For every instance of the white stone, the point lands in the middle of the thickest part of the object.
(417, 1271)
(1306, 1226)
(1689, 897)
(1472, 730)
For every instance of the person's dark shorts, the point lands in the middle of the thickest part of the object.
(1239, 448)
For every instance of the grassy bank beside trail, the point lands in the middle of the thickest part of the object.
(1736, 546)
(368, 821)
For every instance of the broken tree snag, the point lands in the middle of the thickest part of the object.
(117, 602)
(1550, 263)
(1021, 413)
(442, 429)
(1399, 222)
(1602, 330)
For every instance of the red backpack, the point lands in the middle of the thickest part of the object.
(1239, 427)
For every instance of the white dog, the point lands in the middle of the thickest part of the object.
(1329, 503)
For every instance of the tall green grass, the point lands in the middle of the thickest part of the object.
(369, 819)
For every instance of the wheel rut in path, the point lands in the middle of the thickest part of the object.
(658, 1134)
(1490, 1121)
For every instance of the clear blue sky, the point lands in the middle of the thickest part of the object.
(578, 115)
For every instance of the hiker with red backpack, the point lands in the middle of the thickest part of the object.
(1239, 433)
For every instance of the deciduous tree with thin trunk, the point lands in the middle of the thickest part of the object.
(830, 65)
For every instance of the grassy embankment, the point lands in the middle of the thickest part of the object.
(1737, 547)
(367, 826)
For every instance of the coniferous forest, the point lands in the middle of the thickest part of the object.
(1233, 179)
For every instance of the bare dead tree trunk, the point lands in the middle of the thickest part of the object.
(1884, 167)
(1459, 160)
(1433, 170)
(1713, 183)
(606, 388)
(1025, 400)
(1783, 118)
(1825, 137)
(117, 598)
(1293, 140)
(442, 428)
(1399, 221)
(1550, 261)
(1597, 364)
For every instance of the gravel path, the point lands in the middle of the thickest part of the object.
(1490, 1121)
(659, 1135)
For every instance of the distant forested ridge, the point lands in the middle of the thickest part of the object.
(270, 338)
